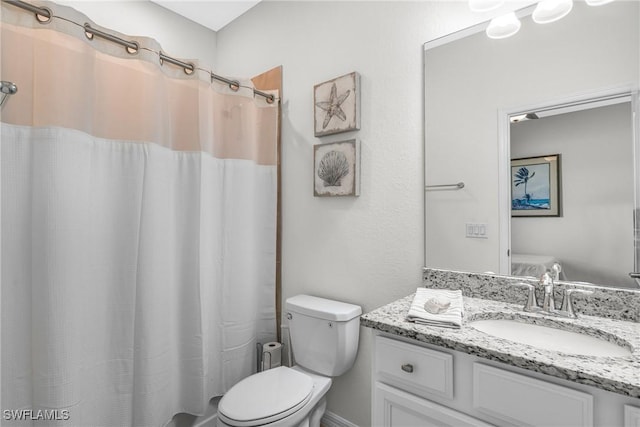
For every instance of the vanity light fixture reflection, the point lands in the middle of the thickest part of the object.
(546, 11)
(551, 10)
(503, 26)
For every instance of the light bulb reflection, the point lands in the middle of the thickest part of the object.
(503, 26)
(551, 10)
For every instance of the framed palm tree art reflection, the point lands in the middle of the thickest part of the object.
(535, 186)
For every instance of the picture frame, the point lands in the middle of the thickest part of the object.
(336, 105)
(336, 168)
(535, 186)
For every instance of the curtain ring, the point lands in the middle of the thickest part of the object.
(132, 50)
(234, 86)
(44, 15)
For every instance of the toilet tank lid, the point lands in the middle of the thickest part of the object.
(322, 308)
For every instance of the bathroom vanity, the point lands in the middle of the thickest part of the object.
(430, 376)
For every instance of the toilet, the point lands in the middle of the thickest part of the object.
(324, 340)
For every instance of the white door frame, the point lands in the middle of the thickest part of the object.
(583, 101)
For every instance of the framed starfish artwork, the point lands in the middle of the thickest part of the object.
(336, 105)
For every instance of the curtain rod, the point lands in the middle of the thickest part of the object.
(44, 15)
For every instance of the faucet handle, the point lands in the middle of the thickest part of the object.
(546, 283)
(567, 302)
(532, 304)
(546, 279)
(556, 269)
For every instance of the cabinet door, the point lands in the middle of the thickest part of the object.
(396, 408)
(524, 401)
(631, 416)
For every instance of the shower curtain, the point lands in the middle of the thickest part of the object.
(138, 229)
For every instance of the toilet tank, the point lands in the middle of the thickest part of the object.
(324, 333)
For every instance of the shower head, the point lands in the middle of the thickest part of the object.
(6, 89)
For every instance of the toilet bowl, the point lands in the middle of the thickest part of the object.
(324, 340)
(279, 397)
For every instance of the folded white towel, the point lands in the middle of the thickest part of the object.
(429, 307)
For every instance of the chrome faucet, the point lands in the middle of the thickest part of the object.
(531, 305)
(556, 268)
(567, 302)
(548, 302)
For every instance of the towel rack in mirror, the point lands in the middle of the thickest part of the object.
(456, 186)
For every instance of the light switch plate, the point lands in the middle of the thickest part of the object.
(476, 230)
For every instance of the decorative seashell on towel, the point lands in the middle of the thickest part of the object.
(437, 305)
(333, 167)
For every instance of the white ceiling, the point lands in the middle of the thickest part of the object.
(213, 14)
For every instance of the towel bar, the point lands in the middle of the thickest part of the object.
(456, 186)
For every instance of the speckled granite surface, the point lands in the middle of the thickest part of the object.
(613, 303)
(617, 374)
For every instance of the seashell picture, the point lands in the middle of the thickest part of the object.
(337, 169)
(336, 105)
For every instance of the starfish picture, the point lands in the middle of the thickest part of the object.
(339, 98)
(332, 106)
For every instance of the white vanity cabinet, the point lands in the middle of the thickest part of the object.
(406, 376)
(421, 385)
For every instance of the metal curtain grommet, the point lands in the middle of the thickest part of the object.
(44, 15)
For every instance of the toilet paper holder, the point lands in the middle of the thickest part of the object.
(258, 357)
(269, 355)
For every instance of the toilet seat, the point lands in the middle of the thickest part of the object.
(265, 397)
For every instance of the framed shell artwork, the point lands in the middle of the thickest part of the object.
(336, 105)
(336, 169)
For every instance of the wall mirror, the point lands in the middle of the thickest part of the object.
(579, 76)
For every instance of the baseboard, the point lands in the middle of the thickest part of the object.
(329, 419)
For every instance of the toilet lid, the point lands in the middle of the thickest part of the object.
(266, 397)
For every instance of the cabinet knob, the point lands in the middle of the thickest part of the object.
(407, 367)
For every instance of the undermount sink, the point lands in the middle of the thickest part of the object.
(550, 338)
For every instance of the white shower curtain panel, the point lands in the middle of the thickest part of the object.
(129, 275)
(138, 228)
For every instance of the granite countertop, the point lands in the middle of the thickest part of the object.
(617, 374)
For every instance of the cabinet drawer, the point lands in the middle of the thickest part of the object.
(419, 370)
(526, 401)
